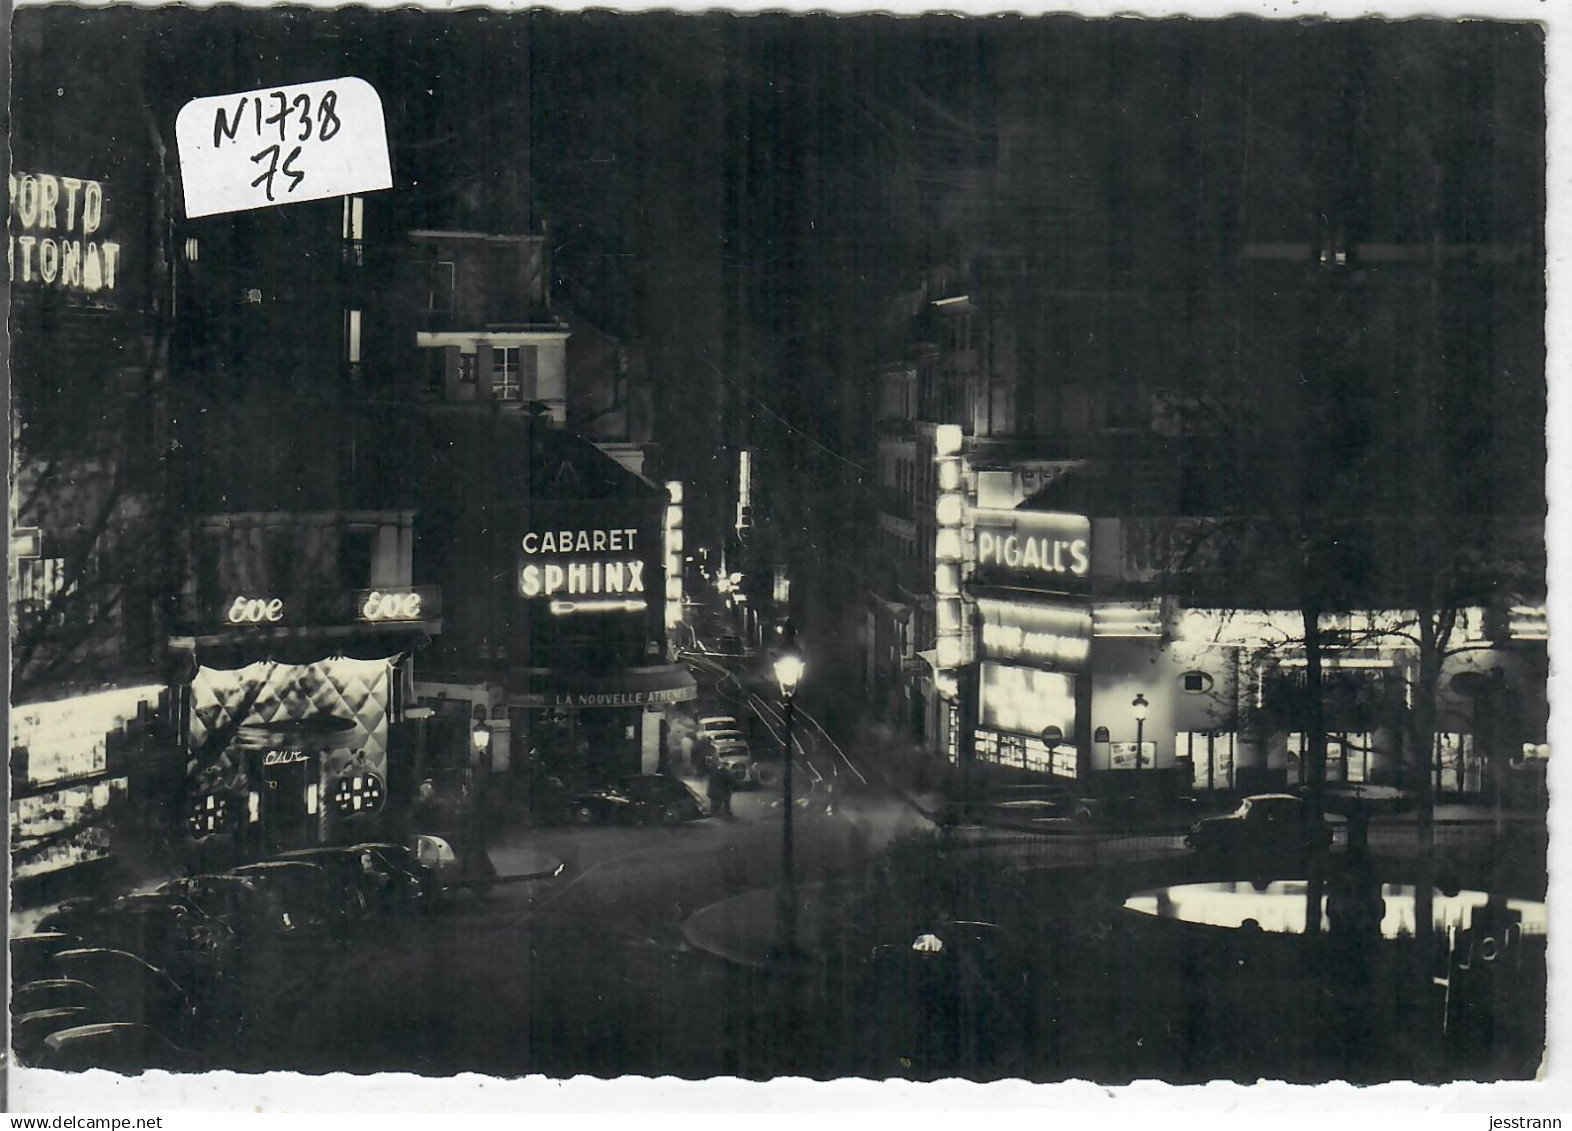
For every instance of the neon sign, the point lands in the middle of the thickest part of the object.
(615, 582)
(562, 608)
(256, 610)
(70, 210)
(582, 579)
(283, 757)
(1051, 555)
(1037, 633)
(384, 606)
(579, 541)
(1033, 549)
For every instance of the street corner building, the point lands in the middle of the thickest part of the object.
(557, 635)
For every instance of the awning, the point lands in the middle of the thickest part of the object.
(624, 687)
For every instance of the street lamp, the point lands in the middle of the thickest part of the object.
(1138, 707)
(481, 775)
(789, 665)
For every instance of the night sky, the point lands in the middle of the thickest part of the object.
(741, 195)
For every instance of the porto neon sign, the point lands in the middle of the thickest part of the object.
(54, 223)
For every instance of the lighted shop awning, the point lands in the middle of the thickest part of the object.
(625, 687)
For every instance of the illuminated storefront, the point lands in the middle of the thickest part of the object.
(1032, 651)
(65, 777)
(286, 755)
(290, 713)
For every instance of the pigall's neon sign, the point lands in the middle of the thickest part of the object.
(54, 239)
(1038, 549)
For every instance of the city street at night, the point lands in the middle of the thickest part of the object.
(666, 545)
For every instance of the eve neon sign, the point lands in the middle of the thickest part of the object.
(380, 606)
(256, 610)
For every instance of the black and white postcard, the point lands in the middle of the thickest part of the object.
(725, 546)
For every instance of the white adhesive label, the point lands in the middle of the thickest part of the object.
(282, 145)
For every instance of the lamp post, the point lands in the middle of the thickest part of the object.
(1138, 707)
(789, 665)
(480, 774)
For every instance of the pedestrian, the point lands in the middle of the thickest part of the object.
(686, 745)
(720, 792)
(701, 756)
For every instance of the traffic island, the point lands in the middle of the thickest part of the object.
(744, 929)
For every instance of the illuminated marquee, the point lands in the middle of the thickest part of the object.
(54, 220)
(618, 582)
(1039, 634)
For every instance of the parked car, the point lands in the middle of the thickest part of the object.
(255, 910)
(1127, 811)
(131, 986)
(31, 954)
(723, 743)
(117, 1046)
(29, 1029)
(1035, 803)
(302, 892)
(949, 994)
(412, 885)
(637, 799)
(370, 878)
(1265, 827)
(711, 725)
(159, 926)
(739, 765)
(54, 993)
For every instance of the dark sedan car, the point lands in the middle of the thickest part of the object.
(118, 1046)
(259, 903)
(133, 987)
(29, 1029)
(949, 995)
(371, 878)
(31, 954)
(305, 893)
(162, 927)
(636, 800)
(1265, 826)
(54, 993)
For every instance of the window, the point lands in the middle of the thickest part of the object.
(353, 333)
(513, 373)
(41, 588)
(354, 230)
(355, 218)
(505, 383)
(466, 369)
(439, 295)
(354, 557)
